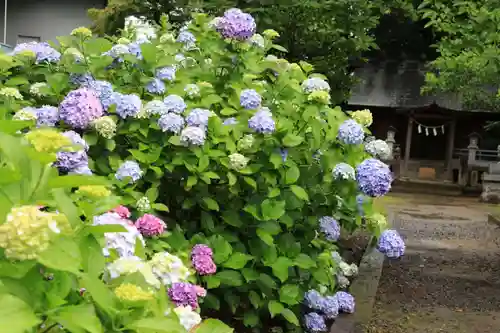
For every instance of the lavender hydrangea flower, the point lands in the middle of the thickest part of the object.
(71, 161)
(262, 121)
(351, 133)
(331, 307)
(314, 322)
(175, 103)
(314, 300)
(236, 24)
(193, 135)
(250, 99)
(391, 244)
(330, 227)
(47, 116)
(343, 171)
(127, 105)
(171, 122)
(183, 294)
(230, 121)
(81, 79)
(166, 73)
(155, 108)
(315, 84)
(104, 91)
(43, 51)
(346, 301)
(135, 49)
(80, 107)
(198, 117)
(374, 177)
(129, 169)
(187, 38)
(81, 170)
(156, 86)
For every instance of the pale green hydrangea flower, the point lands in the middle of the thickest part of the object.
(246, 142)
(105, 126)
(36, 88)
(363, 117)
(143, 204)
(237, 161)
(11, 92)
(81, 32)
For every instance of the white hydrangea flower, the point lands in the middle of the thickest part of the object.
(342, 281)
(169, 268)
(35, 88)
(378, 149)
(187, 317)
(129, 265)
(141, 27)
(11, 92)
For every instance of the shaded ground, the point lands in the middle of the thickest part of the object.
(449, 279)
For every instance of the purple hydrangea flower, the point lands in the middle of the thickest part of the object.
(192, 135)
(201, 250)
(129, 169)
(81, 79)
(198, 117)
(76, 139)
(171, 122)
(343, 171)
(156, 86)
(331, 307)
(166, 73)
(127, 105)
(314, 322)
(236, 24)
(391, 244)
(250, 99)
(351, 133)
(104, 92)
(175, 103)
(69, 161)
(80, 107)
(346, 301)
(230, 121)
(43, 51)
(262, 121)
(374, 177)
(314, 300)
(47, 116)
(330, 227)
(204, 265)
(183, 294)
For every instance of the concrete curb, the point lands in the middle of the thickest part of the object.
(364, 289)
(493, 219)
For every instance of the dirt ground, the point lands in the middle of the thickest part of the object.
(449, 278)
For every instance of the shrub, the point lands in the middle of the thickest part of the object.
(51, 253)
(233, 148)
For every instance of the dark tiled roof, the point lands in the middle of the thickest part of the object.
(397, 85)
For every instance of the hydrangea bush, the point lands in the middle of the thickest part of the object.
(209, 136)
(71, 259)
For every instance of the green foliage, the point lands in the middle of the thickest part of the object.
(468, 54)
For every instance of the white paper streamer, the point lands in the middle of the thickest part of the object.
(426, 131)
(434, 131)
(442, 128)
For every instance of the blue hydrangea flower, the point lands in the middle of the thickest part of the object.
(343, 171)
(156, 86)
(155, 108)
(314, 300)
(250, 99)
(315, 84)
(187, 38)
(330, 227)
(43, 51)
(236, 24)
(135, 49)
(129, 169)
(81, 79)
(337, 257)
(314, 322)
(166, 73)
(47, 116)
(230, 121)
(171, 122)
(117, 51)
(351, 133)
(175, 103)
(346, 301)
(360, 200)
(68, 161)
(374, 177)
(103, 90)
(127, 105)
(198, 117)
(331, 307)
(192, 135)
(391, 244)
(284, 154)
(262, 121)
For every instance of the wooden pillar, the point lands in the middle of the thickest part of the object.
(409, 133)
(450, 147)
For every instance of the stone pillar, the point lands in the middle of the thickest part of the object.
(472, 147)
(409, 132)
(450, 148)
(391, 141)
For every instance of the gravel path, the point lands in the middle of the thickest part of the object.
(449, 278)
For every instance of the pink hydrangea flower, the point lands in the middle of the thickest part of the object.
(201, 250)
(200, 291)
(122, 211)
(149, 225)
(204, 265)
